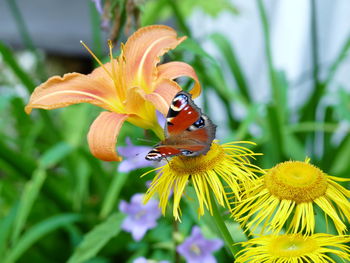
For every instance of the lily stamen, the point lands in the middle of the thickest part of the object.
(95, 57)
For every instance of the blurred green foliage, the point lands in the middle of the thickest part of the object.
(58, 202)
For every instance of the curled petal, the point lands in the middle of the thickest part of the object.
(72, 88)
(173, 70)
(163, 95)
(103, 135)
(142, 52)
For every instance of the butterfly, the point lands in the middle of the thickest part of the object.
(188, 132)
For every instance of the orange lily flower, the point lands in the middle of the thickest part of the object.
(130, 87)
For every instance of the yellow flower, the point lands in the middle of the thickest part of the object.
(289, 191)
(130, 87)
(224, 165)
(294, 248)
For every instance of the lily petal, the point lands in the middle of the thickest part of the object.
(142, 52)
(103, 133)
(163, 95)
(173, 70)
(72, 88)
(141, 112)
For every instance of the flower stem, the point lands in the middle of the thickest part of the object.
(220, 223)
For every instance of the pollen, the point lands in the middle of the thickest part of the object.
(297, 181)
(291, 245)
(198, 164)
(286, 198)
(295, 248)
(224, 170)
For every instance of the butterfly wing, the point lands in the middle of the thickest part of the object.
(188, 132)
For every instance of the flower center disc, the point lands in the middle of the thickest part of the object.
(297, 181)
(291, 246)
(198, 164)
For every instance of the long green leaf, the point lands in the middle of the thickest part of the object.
(251, 116)
(5, 227)
(37, 232)
(55, 154)
(95, 22)
(11, 61)
(293, 148)
(192, 46)
(276, 134)
(313, 126)
(97, 238)
(81, 189)
(154, 11)
(26, 38)
(340, 166)
(21, 24)
(76, 121)
(30, 194)
(272, 72)
(229, 55)
(342, 55)
(113, 194)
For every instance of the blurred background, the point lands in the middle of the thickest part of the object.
(273, 72)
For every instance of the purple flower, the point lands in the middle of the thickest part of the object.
(161, 119)
(144, 260)
(140, 217)
(98, 4)
(140, 260)
(197, 249)
(134, 157)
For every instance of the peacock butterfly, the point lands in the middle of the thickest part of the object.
(188, 132)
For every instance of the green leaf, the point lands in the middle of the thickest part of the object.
(22, 123)
(323, 224)
(342, 55)
(293, 148)
(5, 100)
(312, 126)
(229, 55)
(11, 61)
(76, 121)
(6, 226)
(30, 194)
(82, 172)
(276, 134)
(340, 164)
(154, 11)
(97, 238)
(55, 154)
(251, 116)
(113, 194)
(343, 107)
(212, 8)
(37, 232)
(192, 46)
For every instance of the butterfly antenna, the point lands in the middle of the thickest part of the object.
(167, 160)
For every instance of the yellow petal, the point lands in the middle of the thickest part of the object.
(141, 112)
(163, 95)
(103, 134)
(173, 70)
(142, 52)
(73, 88)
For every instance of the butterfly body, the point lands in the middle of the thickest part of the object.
(188, 132)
